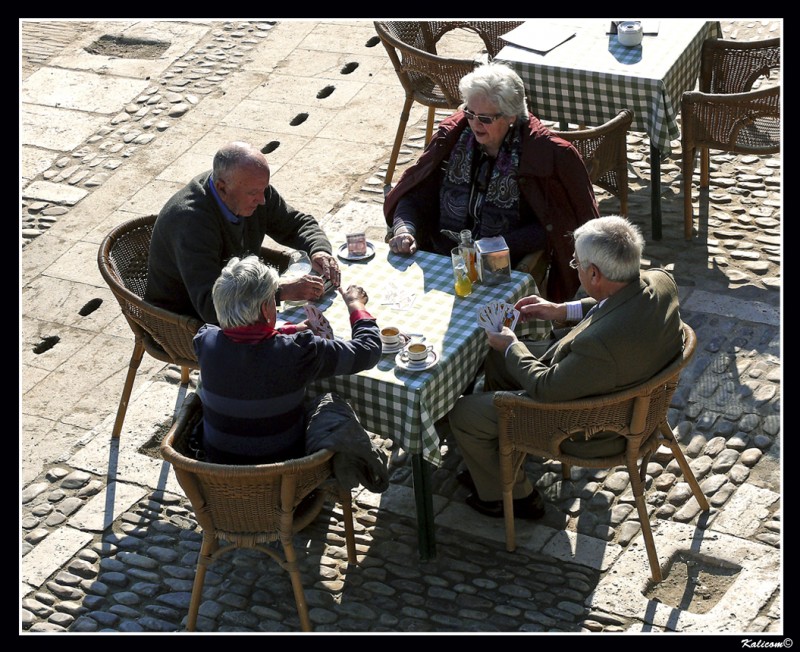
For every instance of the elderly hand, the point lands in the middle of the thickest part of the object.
(355, 297)
(303, 288)
(535, 307)
(326, 265)
(502, 340)
(403, 243)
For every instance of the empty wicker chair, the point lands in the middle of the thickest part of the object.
(166, 336)
(604, 150)
(428, 78)
(639, 414)
(249, 506)
(726, 113)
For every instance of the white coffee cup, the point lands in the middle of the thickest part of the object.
(417, 351)
(390, 335)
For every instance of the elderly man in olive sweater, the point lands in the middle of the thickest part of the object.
(224, 213)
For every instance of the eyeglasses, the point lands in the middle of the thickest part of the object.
(574, 263)
(484, 119)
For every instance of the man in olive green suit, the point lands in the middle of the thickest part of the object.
(633, 331)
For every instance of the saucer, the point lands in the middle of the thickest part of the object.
(344, 254)
(427, 363)
(394, 348)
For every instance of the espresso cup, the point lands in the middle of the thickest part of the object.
(390, 336)
(417, 351)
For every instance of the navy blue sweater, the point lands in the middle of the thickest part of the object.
(253, 393)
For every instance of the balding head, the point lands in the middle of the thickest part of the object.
(241, 177)
(237, 155)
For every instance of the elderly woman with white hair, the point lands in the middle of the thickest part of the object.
(496, 170)
(254, 374)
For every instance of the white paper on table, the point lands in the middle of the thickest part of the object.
(399, 299)
(539, 36)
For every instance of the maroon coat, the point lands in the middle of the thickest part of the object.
(552, 179)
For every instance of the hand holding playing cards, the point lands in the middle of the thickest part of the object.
(326, 265)
(502, 340)
(535, 307)
(494, 316)
(303, 288)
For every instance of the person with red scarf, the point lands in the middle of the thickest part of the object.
(253, 374)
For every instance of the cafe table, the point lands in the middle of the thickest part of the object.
(589, 77)
(415, 293)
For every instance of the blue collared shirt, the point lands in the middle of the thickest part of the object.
(227, 212)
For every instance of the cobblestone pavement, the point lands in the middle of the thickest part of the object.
(130, 568)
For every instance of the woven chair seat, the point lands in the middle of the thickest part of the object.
(249, 506)
(639, 414)
(604, 150)
(166, 336)
(726, 113)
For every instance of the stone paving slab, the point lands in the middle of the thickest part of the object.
(752, 311)
(757, 581)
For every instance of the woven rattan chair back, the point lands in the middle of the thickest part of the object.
(604, 150)
(639, 414)
(166, 336)
(250, 506)
(726, 113)
(428, 78)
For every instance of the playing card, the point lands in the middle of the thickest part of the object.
(510, 316)
(486, 317)
(319, 324)
(493, 316)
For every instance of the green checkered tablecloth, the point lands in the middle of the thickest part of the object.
(590, 78)
(404, 405)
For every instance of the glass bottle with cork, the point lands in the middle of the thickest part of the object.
(469, 253)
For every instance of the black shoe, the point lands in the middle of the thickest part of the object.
(465, 479)
(531, 507)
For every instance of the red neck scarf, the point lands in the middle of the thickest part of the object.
(251, 334)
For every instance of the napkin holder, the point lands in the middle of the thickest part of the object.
(494, 260)
(629, 33)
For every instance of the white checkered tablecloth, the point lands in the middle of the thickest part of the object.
(404, 405)
(590, 78)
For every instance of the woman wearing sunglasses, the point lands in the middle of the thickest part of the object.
(496, 170)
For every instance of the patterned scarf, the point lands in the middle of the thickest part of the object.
(479, 193)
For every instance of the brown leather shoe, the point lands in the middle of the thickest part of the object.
(530, 508)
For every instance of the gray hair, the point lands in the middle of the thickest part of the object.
(243, 286)
(237, 155)
(613, 244)
(500, 85)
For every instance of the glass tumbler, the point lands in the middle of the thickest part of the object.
(299, 265)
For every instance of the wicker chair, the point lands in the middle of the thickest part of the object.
(527, 426)
(166, 336)
(725, 113)
(249, 506)
(604, 150)
(428, 78)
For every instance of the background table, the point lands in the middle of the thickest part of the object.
(405, 405)
(590, 78)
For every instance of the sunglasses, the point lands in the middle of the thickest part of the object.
(485, 119)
